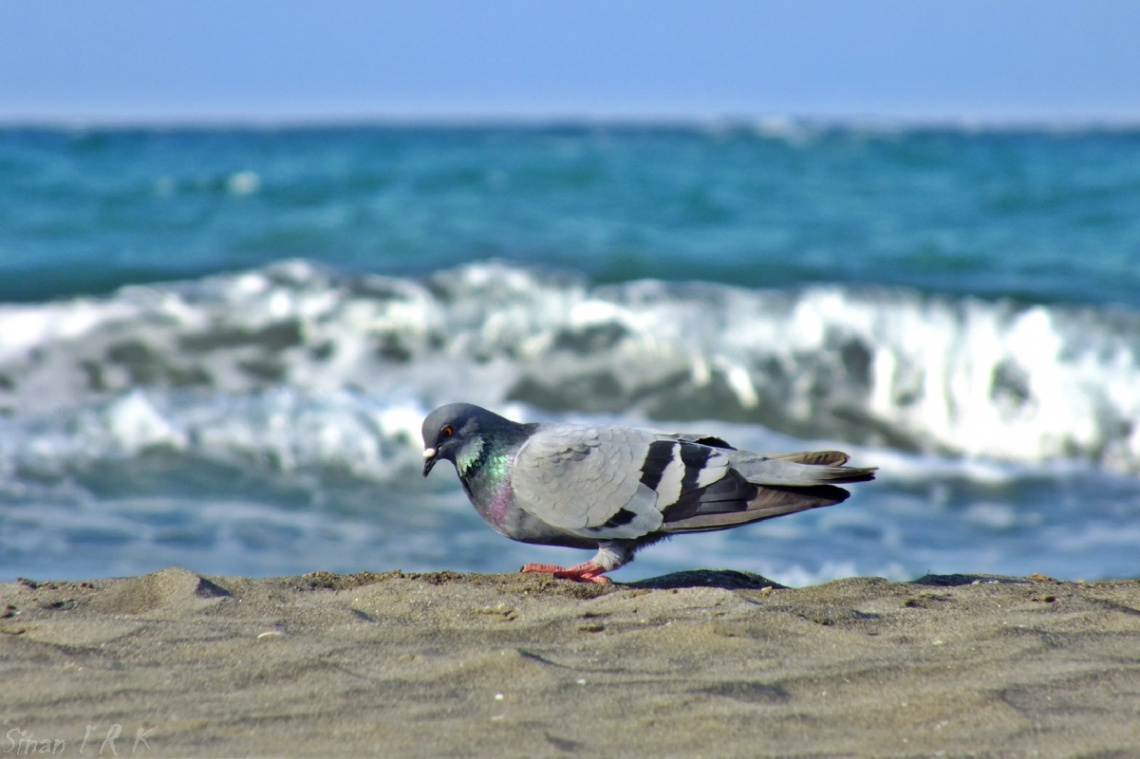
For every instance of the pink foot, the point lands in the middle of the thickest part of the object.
(587, 571)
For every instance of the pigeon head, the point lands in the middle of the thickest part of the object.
(455, 432)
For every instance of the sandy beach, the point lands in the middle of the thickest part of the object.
(710, 664)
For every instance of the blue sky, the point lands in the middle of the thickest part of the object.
(273, 60)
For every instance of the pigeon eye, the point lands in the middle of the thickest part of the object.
(447, 431)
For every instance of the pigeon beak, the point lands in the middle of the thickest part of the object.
(429, 460)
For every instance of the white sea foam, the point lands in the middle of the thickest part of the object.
(279, 430)
(894, 369)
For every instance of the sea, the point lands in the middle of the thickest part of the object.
(217, 344)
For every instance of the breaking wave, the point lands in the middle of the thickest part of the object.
(296, 365)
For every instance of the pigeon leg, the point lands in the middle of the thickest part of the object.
(611, 555)
(587, 571)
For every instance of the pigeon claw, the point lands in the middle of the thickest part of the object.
(588, 571)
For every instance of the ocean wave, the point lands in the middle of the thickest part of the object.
(284, 362)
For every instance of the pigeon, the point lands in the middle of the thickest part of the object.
(618, 489)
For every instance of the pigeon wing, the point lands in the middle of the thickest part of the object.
(609, 483)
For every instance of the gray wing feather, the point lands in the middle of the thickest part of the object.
(579, 478)
(614, 483)
(642, 513)
(610, 483)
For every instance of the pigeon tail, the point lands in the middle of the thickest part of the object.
(799, 469)
(768, 502)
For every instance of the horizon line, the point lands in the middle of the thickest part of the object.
(763, 123)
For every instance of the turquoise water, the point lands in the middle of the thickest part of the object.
(216, 345)
(1044, 217)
